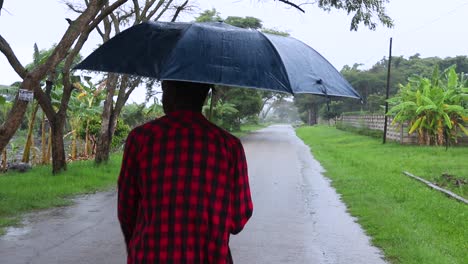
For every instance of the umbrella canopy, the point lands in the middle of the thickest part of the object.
(218, 53)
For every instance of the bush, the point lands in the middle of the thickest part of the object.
(360, 130)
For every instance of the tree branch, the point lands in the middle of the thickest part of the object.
(178, 10)
(11, 57)
(67, 91)
(73, 7)
(146, 8)
(107, 28)
(105, 12)
(292, 4)
(163, 11)
(100, 32)
(44, 102)
(116, 23)
(70, 36)
(137, 9)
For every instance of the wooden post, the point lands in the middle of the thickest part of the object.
(387, 92)
(435, 187)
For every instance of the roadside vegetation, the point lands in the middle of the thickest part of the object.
(39, 189)
(410, 222)
(371, 83)
(248, 128)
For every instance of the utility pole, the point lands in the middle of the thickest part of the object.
(387, 92)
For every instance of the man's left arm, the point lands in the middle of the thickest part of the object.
(128, 193)
(241, 201)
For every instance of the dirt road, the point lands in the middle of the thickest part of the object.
(298, 217)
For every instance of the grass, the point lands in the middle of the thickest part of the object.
(39, 189)
(247, 128)
(408, 221)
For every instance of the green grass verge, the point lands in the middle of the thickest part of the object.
(409, 221)
(39, 189)
(247, 128)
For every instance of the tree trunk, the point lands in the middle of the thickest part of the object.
(110, 112)
(79, 28)
(86, 150)
(30, 138)
(43, 140)
(58, 149)
(49, 146)
(73, 148)
(107, 122)
(4, 160)
(16, 114)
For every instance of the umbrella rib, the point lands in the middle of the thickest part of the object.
(279, 57)
(163, 62)
(333, 68)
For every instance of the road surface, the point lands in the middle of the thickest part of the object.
(298, 217)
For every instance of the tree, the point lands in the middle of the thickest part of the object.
(209, 16)
(308, 106)
(284, 111)
(371, 83)
(332, 110)
(244, 22)
(123, 85)
(246, 101)
(363, 11)
(435, 108)
(65, 51)
(85, 105)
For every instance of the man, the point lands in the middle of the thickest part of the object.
(183, 185)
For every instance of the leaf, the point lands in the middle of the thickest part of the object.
(415, 125)
(454, 108)
(2, 100)
(447, 120)
(463, 129)
(452, 78)
(427, 100)
(425, 108)
(423, 122)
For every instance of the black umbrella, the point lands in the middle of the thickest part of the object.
(218, 53)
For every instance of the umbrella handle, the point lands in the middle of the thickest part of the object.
(213, 92)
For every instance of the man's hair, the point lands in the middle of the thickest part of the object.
(186, 95)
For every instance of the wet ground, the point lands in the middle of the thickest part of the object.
(298, 217)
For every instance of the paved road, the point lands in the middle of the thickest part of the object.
(298, 217)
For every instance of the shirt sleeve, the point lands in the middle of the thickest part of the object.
(241, 201)
(128, 193)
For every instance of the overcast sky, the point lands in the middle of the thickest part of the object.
(429, 27)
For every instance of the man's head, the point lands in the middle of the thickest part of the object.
(184, 96)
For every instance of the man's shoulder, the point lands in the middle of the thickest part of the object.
(148, 127)
(225, 134)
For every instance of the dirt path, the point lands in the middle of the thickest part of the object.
(298, 217)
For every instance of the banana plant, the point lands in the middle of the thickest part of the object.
(84, 105)
(435, 108)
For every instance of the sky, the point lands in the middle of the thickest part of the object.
(429, 27)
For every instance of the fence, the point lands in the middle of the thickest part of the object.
(397, 133)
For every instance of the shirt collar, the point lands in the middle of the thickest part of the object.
(185, 114)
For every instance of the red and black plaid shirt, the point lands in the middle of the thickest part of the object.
(183, 189)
